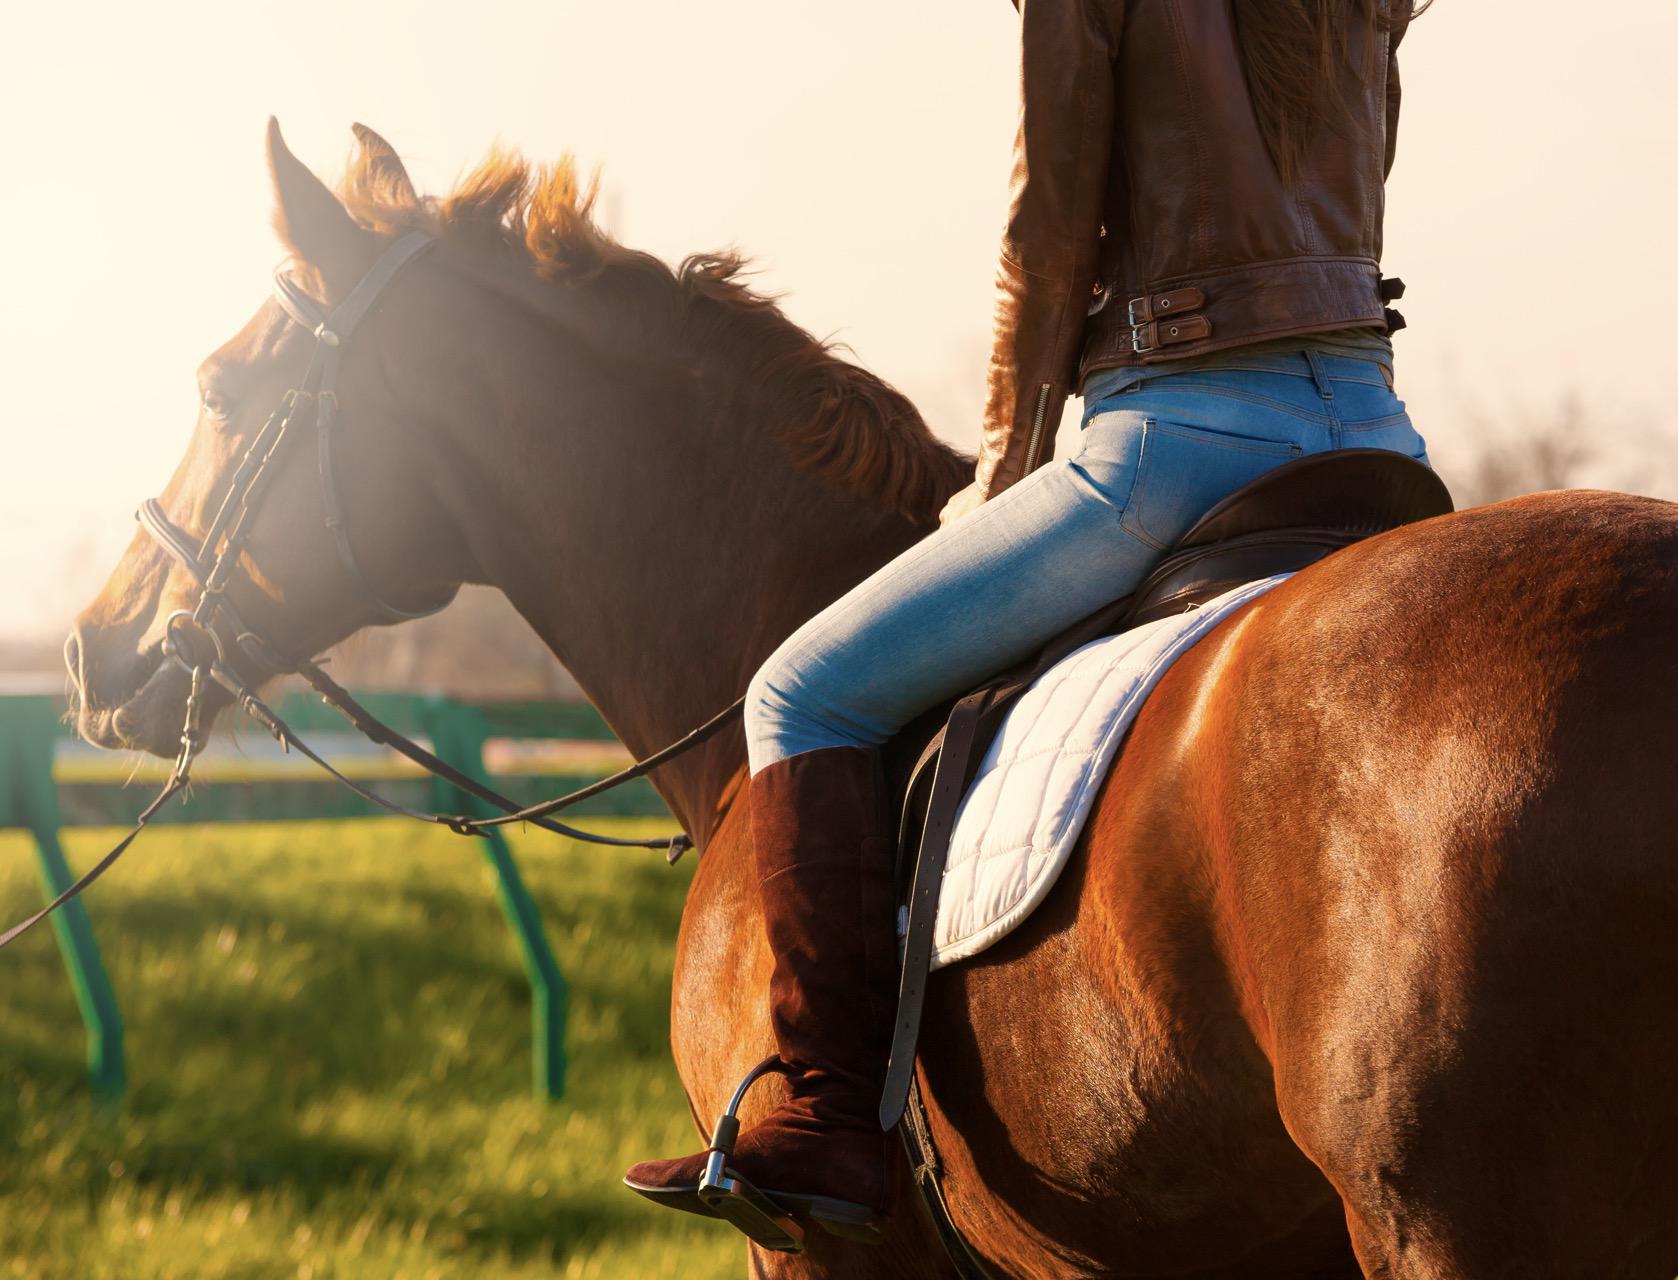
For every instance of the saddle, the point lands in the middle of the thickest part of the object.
(1286, 520)
(1289, 518)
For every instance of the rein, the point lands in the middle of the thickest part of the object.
(212, 559)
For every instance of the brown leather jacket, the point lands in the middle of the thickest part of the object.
(1148, 220)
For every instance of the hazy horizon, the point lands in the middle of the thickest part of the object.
(865, 177)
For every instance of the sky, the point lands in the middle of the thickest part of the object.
(857, 153)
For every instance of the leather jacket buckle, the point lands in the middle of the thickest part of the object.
(1148, 312)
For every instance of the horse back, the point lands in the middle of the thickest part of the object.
(1377, 901)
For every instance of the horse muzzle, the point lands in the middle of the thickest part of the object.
(135, 707)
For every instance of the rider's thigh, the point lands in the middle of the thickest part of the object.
(979, 594)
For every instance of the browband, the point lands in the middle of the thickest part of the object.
(335, 327)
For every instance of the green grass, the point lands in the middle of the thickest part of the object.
(329, 1074)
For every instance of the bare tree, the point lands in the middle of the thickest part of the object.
(1545, 449)
(1574, 443)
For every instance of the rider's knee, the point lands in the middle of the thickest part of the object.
(768, 712)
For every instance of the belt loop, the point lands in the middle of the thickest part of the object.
(1319, 375)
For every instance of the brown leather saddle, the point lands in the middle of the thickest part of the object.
(1287, 519)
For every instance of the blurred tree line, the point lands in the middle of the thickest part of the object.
(1565, 445)
(479, 648)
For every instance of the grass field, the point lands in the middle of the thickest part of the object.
(328, 1055)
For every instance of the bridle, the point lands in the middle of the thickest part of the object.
(213, 558)
(194, 640)
(217, 553)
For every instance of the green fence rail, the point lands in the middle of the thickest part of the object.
(37, 799)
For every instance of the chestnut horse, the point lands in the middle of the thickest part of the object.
(1367, 961)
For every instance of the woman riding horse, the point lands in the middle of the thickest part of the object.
(1194, 244)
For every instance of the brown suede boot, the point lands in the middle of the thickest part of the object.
(824, 864)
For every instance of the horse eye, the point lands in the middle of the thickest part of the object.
(217, 406)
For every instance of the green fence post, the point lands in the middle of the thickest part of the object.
(457, 735)
(29, 799)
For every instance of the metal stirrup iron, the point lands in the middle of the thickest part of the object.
(736, 1200)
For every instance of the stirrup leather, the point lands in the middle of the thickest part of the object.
(734, 1199)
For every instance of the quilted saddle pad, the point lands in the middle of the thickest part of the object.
(1022, 816)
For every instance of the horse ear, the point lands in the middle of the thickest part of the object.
(312, 222)
(380, 163)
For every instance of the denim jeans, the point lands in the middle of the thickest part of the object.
(989, 589)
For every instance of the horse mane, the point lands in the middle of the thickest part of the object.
(838, 422)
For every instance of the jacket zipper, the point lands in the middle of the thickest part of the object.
(1036, 440)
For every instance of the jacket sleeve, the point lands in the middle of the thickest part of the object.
(1395, 96)
(1051, 244)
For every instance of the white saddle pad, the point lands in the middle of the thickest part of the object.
(1021, 818)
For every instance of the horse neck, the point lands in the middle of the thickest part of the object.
(657, 537)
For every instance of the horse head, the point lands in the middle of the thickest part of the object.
(621, 447)
(289, 582)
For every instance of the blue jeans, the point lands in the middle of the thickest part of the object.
(991, 588)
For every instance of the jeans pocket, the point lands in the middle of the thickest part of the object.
(1185, 470)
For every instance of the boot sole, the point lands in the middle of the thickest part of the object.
(843, 1218)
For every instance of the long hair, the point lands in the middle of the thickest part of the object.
(1293, 52)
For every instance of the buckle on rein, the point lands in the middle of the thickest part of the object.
(732, 1198)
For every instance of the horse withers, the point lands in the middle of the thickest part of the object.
(1365, 961)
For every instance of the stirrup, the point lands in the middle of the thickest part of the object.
(734, 1199)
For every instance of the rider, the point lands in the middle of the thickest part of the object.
(1194, 244)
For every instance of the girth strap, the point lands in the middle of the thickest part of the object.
(928, 1173)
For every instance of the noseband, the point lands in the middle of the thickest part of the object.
(212, 559)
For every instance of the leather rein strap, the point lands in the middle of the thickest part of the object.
(179, 546)
(212, 559)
